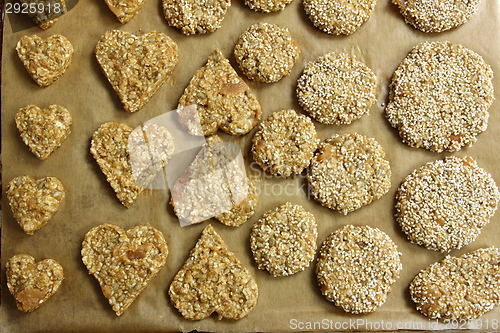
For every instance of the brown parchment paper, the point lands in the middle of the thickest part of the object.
(284, 304)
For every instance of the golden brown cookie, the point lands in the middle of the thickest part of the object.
(44, 12)
(217, 97)
(125, 10)
(267, 6)
(213, 280)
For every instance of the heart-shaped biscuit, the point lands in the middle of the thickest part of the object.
(32, 283)
(43, 130)
(125, 10)
(136, 66)
(45, 12)
(123, 261)
(34, 202)
(45, 59)
(213, 279)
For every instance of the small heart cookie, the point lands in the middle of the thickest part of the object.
(45, 59)
(136, 66)
(213, 280)
(43, 130)
(123, 261)
(34, 202)
(125, 10)
(32, 283)
(45, 12)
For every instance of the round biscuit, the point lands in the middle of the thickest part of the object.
(284, 143)
(439, 97)
(356, 267)
(283, 240)
(444, 204)
(348, 172)
(339, 17)
(266, 52)
(336, 89)
(436, 16)
(267, 6)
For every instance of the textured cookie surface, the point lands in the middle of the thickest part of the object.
(285, 143)
(32, 283)
(283, 240)
(43, 130)
(136, 66)
(45, 59)
(125, 10)
(336, 89)
(45, 12)
(195, 17)
(439, 97)
(445, 204)
(214, 185)
(436, 16)
(356, 267)
(217, 97)
(34, 202)
(267, 6)
(339, 17)
(266, 52)
(459, 288)
(348, 172)
(123, 262)
(213, 280)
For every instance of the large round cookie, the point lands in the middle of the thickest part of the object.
(356, 267)
(348, 172)
(439, 97)
(336, 89)
(445, 204)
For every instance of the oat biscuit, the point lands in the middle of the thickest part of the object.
(34, 202)
(283, 240)
(285, 143)
(32, 283)
(125, 10)
(460, 288)
(267, 6)
(445, 204)
(45, 59)
(109, 147)
(348, 172)
(439, 97)
(339, 17)
(43, 130)
(336, 89)
(136, 66)
(213, 280)
(195, 17)
(214, 185)
(266, 52)
(356, 267)
(46, 12)
(217, 97)
(436, 16)
(123, 262)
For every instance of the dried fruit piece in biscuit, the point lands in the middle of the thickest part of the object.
(266, 52)
(285, 143)
(336, 89)
(348, 172)
(34, 202)
(195, 17)
(214, 185)
(32, 283)
(45, 59)
(439, 97)
(356, 267)
(217, 97)
(136, 66)
(436, 16)
(339, 17)
(213, 280)
(459, 288)
(445, 204)
(283, 240)
(267, 6)
(45, 12)
(125, 10)
(123, 262)
(43, 130)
